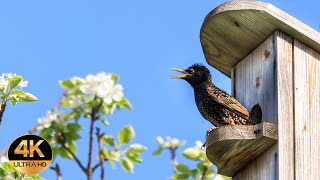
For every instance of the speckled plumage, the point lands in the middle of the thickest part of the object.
(218, 107)
(214, 104)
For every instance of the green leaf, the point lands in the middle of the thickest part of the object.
(24, 97)
(110, 157)
(74, 127)
(105, 153)
(64, 153)
(210, 173)
(157, 151)
(181, 143)
(13, 101)
(126, 134)
(2, 172)
(182, 168)
(75, 114)
(109, 140)
(193, 173)
(36, 177)
(7, 167)
(127, 165)
(45, 133)
(125, 103)
(115, 77)
(15, 175)
(136, 148)
(73, 148)
(72, 136)
(192, 153)
(107, 108)
(200, 167)
(180, 177)
(105, 122)
(14, 82)
(66, 84)
(134, 157)
(54, 153)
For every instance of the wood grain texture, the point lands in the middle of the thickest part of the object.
(285, 107)
(307, 108)
(232, 147)
(255, 82)
(248, 24)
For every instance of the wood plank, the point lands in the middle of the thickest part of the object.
(284, 64)
(232, 147)
(307, 108)
(255, 83)
(234, 29)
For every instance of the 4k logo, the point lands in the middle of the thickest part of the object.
(30, 154)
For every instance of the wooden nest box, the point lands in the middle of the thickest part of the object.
(273, 60)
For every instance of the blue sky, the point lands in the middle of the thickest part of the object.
(47, 41)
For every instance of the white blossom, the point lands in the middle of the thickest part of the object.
(76, 79)
(175, 142)
(115, 93)
(11, 75)
(159, 140)
(3, 159)
(199, 144)
(102, 86)
(57, 116)
(3, 82)
(76, 101)
(23, 84)
(104, 89)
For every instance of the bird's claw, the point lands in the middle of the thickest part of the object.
(211, 129)
(204, 145)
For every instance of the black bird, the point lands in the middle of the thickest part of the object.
(214, 104)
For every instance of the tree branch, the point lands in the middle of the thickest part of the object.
(57, 170)
(94, 112)
(101, 157)
(2, 109)
(75, 158)
(173, 157)
(95, 167)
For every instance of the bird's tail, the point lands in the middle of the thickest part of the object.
(256, 114)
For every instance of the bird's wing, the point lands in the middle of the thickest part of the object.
(228, 101)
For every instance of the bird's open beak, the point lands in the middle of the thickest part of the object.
(184, 73)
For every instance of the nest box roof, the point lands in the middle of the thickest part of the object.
(234, 29)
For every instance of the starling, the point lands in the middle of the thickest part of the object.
(214, 104)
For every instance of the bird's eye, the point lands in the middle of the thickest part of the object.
(191, 71)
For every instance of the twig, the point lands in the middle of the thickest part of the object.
(95, 167)
(93, 119)
(101, 157)
(173, 158)
(75, 158)
(58, 171)
(2, 109)
(204, 172)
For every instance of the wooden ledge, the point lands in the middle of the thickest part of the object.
(232, 147)
(234, 29)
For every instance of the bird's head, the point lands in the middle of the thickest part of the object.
(196, 74)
